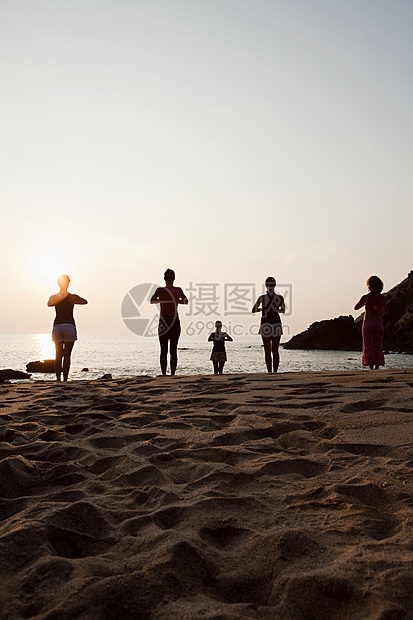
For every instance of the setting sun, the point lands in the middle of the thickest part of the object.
(48, 265)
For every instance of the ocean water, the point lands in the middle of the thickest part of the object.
(128, 356)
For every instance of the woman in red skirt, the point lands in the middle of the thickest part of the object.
(373, 331)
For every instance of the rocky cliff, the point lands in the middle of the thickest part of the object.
(398, 318)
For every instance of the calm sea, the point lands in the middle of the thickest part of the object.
(127, 356)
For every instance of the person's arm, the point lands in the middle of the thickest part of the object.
(227, 337)
(256, 306)
(182, 298)
(155, 297)
(281, 304)
(56, 298)
(360, 303)
(78, 300)
(211, 337)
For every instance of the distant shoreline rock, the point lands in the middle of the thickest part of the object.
(339, 334)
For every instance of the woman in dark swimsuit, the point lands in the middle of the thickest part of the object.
(270, 304)
(169, 330)
(64, 332)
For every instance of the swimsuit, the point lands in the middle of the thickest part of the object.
(64, 311)
(168, 298)
(218, 350)
(169, 328)
(270, 320)
(64, 327)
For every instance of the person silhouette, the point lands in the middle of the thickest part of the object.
(372, 329)
(64, 332)
(169, 328)
(218, 355)
(270, 304)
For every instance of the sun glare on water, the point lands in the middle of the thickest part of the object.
(43, 347)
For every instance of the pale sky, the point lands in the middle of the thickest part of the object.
(227, 139)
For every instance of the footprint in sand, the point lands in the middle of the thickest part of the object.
(303, 467)
(295, 594)
(8, 436)
(377, 518)
(365, 449)
(78, 531)
(362, 405)
(168, 518)
(223, 535)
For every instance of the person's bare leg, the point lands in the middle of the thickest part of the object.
(173, 349)
(275, 353)
(67, 352)
(267, 352)
(163, 362)
(220, 367)
(58, 360)
(215, 363)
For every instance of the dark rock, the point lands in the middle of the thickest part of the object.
(106, 376)
(7, 374)
(38, 366)
(340, 334)
(358, 322)
(85, 369)
(398, 318)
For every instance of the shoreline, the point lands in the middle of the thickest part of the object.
(246, 375)
(130, 357)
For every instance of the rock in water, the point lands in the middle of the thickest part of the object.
(8, 373)
(40, 366)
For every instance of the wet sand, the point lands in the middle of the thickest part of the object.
(243, 496)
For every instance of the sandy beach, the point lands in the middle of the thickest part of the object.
(238, 496)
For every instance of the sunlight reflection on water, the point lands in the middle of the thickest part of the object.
(43, 347)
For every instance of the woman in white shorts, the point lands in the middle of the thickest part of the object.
(64, 332)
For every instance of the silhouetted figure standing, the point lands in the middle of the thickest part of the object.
(219, 355)
(64, 332)
(270, 304)
(169, 329)
(373, 330)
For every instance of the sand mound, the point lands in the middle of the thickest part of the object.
(242, 496)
